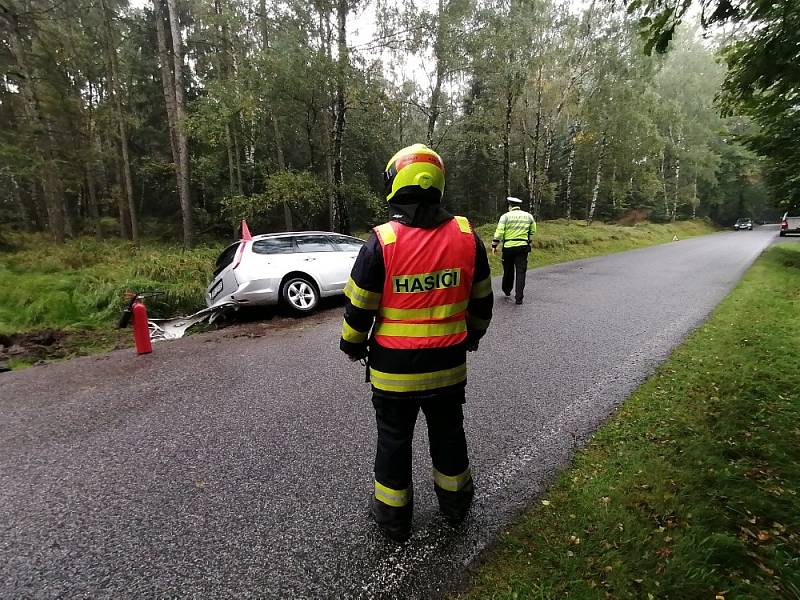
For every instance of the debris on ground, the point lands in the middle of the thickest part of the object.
(172, 329)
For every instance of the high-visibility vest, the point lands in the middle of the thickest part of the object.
(515, 228)
(429, 274)
(427, 285)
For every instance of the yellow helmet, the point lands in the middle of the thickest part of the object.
(415, 165)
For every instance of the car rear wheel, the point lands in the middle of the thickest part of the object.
(300, 294)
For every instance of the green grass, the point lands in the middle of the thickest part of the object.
(80, 285)
(561, 240)
(691, 489)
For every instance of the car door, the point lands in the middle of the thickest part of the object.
(347, 249)
(317, 257)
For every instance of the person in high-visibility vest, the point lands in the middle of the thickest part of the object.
(418, 298)
(515, 230)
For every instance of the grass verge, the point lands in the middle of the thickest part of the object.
(79, 285)
(691, 489)
(561, 240)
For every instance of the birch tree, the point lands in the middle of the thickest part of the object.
(179, 127)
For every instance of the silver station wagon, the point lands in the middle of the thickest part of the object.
(294, 268)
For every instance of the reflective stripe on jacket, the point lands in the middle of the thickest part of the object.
(515, 229)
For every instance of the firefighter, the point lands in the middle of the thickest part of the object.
(515, 230)
(421, 285)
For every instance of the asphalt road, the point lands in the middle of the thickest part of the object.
(238, 463)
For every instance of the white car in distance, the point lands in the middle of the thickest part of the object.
(294, 268)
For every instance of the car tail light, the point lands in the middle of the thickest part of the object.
(784, 224)
(239, 254)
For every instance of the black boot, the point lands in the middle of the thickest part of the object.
(455, 505)
(393, 522)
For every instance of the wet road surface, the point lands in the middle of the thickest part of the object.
(239, 464)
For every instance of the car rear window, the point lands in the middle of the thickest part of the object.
(283, 245)
(226, 258)
(347, 244)
(314, 243)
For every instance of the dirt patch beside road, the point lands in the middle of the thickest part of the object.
(37, 347)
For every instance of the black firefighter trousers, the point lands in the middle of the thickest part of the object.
(392, 504)
(515, 261)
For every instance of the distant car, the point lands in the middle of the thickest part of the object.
(790, 223)
(743, 224)
(295, 268)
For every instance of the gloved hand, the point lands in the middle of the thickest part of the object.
(472, 345)
(359, 355)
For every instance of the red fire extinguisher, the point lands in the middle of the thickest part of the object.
(136, 313)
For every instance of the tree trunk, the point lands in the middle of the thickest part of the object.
(664, 183)
(630, 190)
(91, 182)
(53, 192)
(237, 162)
(273, 122)
(39, 213)
(614, 187)
(598, 175)
(27, 222)
(526, 158)
(507, 142)
(310, 129)
(327, 121)
(231, 168)
(536, 201)
(180, 134)
(45, 146)
(328, 133)
(677, 180)
(94, 212)
(102, 169)
(167, 81)
(122, 205)
(548, 151)
(249, 131)
(113, 76)
(341, 217)
(441, 66)
(287, 213)
(528, 175)
(573, 130)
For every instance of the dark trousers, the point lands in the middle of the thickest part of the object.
(515, 260)
(396, 418)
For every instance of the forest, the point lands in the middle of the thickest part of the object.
(175, 119)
